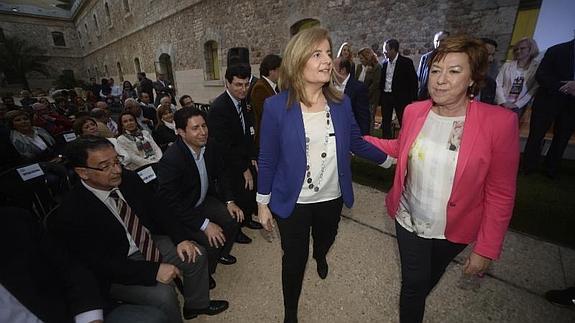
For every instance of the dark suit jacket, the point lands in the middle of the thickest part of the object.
(164, 136)
(260, 92)
(372, 79)
(422, 75)
(488, 91)
(225, 128)
(146, 85)
(179, 181)
(404, 83)
(93, 234)
(253, 81)
(555, 67)
(39, 274)
(359, 96)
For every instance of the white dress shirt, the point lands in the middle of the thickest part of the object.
(389, 74)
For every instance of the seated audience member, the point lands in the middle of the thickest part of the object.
(63, 291)
(53, 122)
(82, 105)
(145, 101)
(186, 101)
(145, 85)
(187, 178)
(146, 122)
(94, 88)
(110, 123)
(166, 100)
(356, 91)
(265, 87)
(33, 143)
(87, 126)
(141, 148)
(65, 108)
(113, 224)
(128, 91)
(26, 101)
(105, 89)
(516, 83)
(165, 133)
(102, 117)
(91, 99)
(8, 102)
(46, 102)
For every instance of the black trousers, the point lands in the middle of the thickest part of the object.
(245, 198)
(561, 113)
(216, 212)
(389, 103)
(323, 220)
(423, 262)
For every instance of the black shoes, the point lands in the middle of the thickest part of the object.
(562, 297)
(322, 268)
(243, 238)
(251, 224)
(227, 260)
(214, 308)
(212, 282)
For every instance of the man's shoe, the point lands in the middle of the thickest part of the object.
(322, 268)
(214, 308)
(562, 297)
(243, 238)
(227, 260)
(251, 224)
(212, 282)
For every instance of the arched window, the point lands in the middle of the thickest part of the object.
(126, 6)
(80, 38)
(2, 37)
(303, 24)
(212, 61)
(106, 72)
(96, 75)
(137, 66)
(108, 18)
(58, 39)
(120, 73)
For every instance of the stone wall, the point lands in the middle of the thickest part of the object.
(180, 28)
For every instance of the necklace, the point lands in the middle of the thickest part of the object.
(309, 180)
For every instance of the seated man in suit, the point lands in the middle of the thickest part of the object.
(356, 91)
(62, 291)
(190, 176)
(231, 128)
(111, 222)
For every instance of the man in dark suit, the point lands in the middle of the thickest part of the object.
(398, 85)
(161, 86)
(423, 69)
(111, 222)
(356, 91)
(265, 87)
(191, 179)
(554, 104)
(62, 291)
(145, 86)
(232, 130)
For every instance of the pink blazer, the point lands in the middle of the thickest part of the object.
(483, 194)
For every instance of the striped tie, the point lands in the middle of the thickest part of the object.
(240, 112)
(139, 233)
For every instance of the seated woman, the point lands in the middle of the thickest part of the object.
(88, 126)
(34, 144)
(139, 144)
(165, 133)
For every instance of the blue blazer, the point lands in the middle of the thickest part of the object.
(282, 159)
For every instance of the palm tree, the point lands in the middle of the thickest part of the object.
(18, 58)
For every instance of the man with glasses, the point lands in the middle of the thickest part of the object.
(112, 224)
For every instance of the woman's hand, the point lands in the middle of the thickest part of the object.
(265, 216)
(476, 264)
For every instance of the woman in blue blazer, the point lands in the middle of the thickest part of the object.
(304, 177)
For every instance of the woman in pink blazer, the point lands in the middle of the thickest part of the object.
(455, 178)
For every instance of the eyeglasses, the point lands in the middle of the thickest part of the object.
(108, 167)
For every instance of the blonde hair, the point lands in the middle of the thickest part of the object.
(369, 55)
(533, 48)
(295, 57)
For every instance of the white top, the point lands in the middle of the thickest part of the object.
(389, 73)
(315, 126)
(109, 202)
(137, 157)
(429, 179)
(341, 87)
(38, 142)
(515, 84)
(361, 76)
